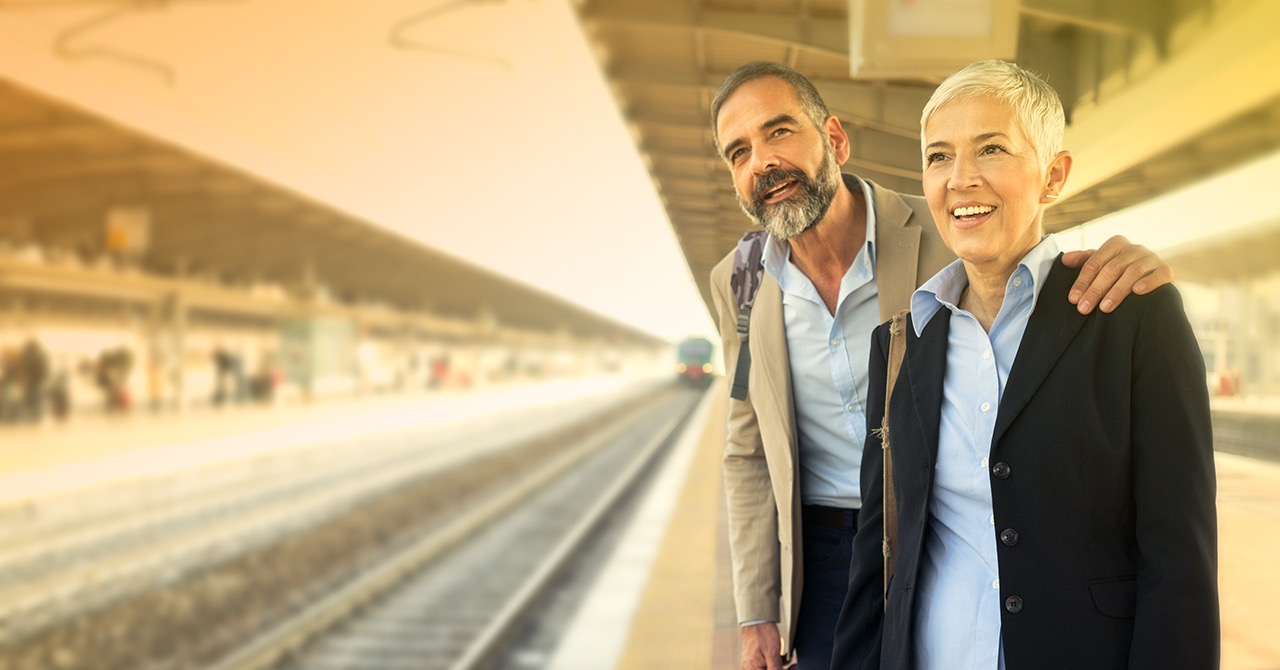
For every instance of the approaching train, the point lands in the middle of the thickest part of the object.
(693, 361)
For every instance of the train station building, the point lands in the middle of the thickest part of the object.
(143, 274)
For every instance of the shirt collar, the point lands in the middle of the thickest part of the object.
(945, 288)
(777, 253)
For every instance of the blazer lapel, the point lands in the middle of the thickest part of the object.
(926, 361)
(1053, 325)
(769, 355)
(897, 252)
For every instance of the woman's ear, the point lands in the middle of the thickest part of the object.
(1057, 173)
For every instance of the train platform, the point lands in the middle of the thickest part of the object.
(665, 601)
(50, 459)
(1263, 407)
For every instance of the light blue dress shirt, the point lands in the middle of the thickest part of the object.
(957, 617)
(828, 356)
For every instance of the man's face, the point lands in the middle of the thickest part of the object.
(785, 169)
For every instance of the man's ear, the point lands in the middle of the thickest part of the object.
(838, 138)
(1057, 173)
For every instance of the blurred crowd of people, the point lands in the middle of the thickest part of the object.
(38, 385)
(29, 386)
(117, 358)
(232, 384)
(33, 386)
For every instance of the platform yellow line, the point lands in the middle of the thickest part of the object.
(675, 623)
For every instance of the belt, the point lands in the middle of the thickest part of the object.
(838, 518)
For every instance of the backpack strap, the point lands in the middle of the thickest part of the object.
(897, 349)
(748, 267)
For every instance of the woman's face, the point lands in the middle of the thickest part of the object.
(984, 183)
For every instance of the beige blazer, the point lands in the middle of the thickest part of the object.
(760, 455)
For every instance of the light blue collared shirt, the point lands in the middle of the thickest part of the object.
(828, 357)
(958, 616)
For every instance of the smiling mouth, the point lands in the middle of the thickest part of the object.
(777, 190)
(975, 210)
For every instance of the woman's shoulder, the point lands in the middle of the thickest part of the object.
(1162, 302)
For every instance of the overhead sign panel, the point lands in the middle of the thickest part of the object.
(928, 39)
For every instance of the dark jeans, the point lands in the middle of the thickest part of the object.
(827, 552)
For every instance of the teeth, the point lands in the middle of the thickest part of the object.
(973, 211)
(777, 188)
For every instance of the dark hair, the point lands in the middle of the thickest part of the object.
(808, 95)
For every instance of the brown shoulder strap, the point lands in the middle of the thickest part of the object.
(897, 349)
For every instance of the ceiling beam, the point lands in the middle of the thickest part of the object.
(1229, 71)
(829, 36)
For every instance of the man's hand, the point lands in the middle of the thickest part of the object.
(761, 647)
(1110, 274)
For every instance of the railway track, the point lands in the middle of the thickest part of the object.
(179, 575)
(1253, 434)
(457, 598)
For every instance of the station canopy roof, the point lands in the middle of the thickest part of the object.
(1158, 94)
(66, 175)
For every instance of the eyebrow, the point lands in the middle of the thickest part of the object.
(980, 138)
(775, 121)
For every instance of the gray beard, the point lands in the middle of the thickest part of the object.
(787, 219)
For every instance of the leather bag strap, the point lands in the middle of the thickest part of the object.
(897, 350)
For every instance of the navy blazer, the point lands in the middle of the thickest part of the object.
(1102, 486)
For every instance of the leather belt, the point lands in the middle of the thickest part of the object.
(829, 517)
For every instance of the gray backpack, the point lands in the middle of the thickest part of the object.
(748, 268)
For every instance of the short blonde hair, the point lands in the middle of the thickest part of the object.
(1034, 102)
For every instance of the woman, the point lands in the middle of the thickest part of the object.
(1053, 471)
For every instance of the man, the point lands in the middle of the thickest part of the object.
(843, 255)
